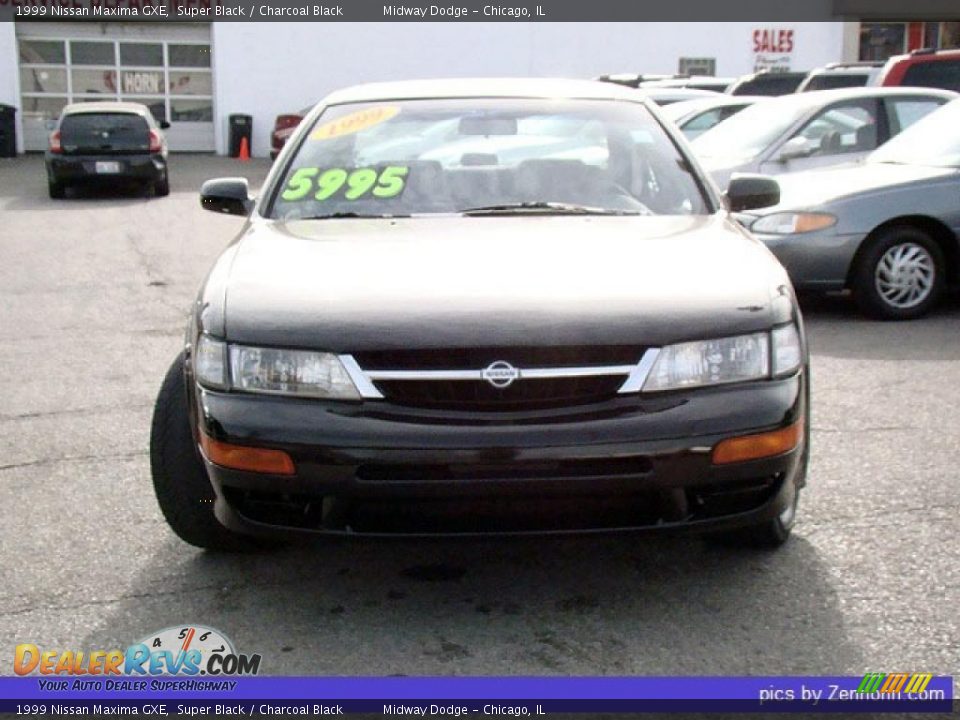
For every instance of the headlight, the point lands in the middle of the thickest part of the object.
(210, 363)
(290, 372)
(268, 370)
(793, 223)
(727, 360)
(711, 362)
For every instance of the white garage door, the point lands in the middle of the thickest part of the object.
(169, 69)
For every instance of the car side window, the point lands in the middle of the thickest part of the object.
(841, 129)
(936, 74)
(902, 113)
(703, 121)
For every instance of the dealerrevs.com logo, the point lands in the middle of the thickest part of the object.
(183, 650)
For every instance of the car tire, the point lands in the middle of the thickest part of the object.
(899, 260)
(161, 188)
(180, 480)
(58, 191)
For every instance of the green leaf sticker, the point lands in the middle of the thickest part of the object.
(312, 183)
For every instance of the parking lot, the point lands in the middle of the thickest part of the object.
(94, 293)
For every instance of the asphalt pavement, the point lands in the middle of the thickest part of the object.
(94, 292)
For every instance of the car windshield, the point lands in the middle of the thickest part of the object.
(486, 156)
(753, 129)
(933, 140)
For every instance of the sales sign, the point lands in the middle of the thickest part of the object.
(772, 49)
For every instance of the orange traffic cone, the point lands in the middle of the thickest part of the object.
(244, 149)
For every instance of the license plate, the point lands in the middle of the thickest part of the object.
(108, 167)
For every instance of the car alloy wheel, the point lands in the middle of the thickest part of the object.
(905, 275)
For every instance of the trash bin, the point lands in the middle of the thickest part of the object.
(241, 126)
(8, 131)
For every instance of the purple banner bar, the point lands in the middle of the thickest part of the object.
(584, 693)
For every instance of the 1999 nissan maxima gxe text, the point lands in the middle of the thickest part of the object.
(486, 306)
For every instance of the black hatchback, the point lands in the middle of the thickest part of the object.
(107, 143)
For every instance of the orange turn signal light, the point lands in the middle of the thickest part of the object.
(762, 445)
(251, 459)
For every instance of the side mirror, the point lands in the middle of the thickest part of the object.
(227, 195)
(164, 125)
(795, 147)
(749, 192)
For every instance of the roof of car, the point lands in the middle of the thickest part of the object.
(846, 70)
(483, 87)
(821, 97)
(106, 107)
(688, 81)
(658, 94)
(706, 103)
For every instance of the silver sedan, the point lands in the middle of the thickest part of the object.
(811, 130)
(888, 229)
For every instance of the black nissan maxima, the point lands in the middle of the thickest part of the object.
(486, 306)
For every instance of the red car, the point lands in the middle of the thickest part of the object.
(923, 68)
(283, 128)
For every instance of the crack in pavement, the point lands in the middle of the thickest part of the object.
(218, 587)
(154, 275)
(898, 511)
(74, 458)
(881, 428)
(96, 410)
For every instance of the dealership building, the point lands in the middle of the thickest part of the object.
(197, 74)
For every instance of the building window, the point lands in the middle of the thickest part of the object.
(87, 81)
(43, 80)
(142, 54)
(879, 41)
(187, 56)
(950, 35)
(42, 52)
(92, 53)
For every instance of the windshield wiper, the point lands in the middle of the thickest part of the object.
(341, 215)
(552, 208)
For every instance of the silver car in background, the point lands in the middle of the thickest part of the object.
(810, 130)
(887, 229)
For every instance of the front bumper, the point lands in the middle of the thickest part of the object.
(83, 168)
(630, 463)
(815, 260)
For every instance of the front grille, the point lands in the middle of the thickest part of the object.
(523, 394)
(588, 380)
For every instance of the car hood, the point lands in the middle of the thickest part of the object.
(816, 187)
(352, 284)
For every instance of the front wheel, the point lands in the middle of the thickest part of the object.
(180, 480)
(900, 275)
(767, 535)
